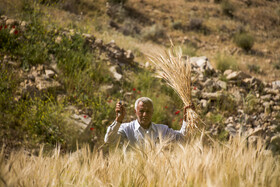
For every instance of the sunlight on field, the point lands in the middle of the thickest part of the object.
(193, 164)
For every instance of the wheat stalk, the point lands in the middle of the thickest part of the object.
(177, 72)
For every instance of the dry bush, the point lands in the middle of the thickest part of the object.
(191, 164)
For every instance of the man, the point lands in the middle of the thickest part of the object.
(141, 129)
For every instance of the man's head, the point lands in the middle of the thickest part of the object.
(144, 111)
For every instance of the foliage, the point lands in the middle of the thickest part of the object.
(227, 7)
(244, 41)
(118, 1)
(237, 163)
(224, 62)
(254, 68)
(154, 33)
(250, 103)
(189, 50)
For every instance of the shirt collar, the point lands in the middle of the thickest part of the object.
(137, 126)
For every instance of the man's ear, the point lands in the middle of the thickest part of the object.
(134, 111)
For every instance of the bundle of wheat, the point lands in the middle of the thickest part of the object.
(176, 70)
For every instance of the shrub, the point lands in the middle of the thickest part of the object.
(250, 102)
(153, 33)
(188, 50)
(244, 41)
(117, 1)
(254, 68)
(276, 65)
(227, 8)
(224, 62)
(196, 24)
(177, 25)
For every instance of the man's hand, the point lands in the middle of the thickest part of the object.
(191, 106)
(120, 112)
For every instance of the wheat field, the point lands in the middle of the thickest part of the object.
(190, 164)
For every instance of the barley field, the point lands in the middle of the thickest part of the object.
(190, 164)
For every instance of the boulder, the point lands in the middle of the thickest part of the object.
(237, 75)
(203, 64)
(212, 96)
(116, 75)
(276, 84)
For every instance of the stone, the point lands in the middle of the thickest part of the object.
(42, 84)
(203, 103)
(222, 84)
(212, 96)
(129, 55)
(113, 70)
(266, 97)
(271, 91)
(11, 22)
(227, 72)
(107, 88)
(230, 128)
(276, 84)
(203, 64)
(49, 73)
(237, 75)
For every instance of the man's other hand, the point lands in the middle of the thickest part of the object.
(120, 112)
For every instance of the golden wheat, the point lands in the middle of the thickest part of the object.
(177, 72)
(181, 165)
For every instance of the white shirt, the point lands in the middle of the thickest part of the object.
(135, 134)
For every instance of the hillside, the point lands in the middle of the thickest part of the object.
(65, 64)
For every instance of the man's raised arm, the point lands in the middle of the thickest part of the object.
(112, 134)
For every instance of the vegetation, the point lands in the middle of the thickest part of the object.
(53, 35)
(224, 62)
(244, 41)
(192, 165)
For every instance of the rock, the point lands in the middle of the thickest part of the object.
(42, 84)
(227, 72)
(212, 96)
(107, 88)
(113, 70)
(203, 103)
(49, 73)
(14, 64)
(203, 64)
(11, 22)
(237, 75)
(266, 97)
(271, 91)
(230, 128)
(129, 55)
(222, 84)
(276, 108)
(276, 84)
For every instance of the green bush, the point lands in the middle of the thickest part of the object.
(153, 33)
(117, 1)
(224, 62)
(254, 68)
(244, 41)
(227, 8)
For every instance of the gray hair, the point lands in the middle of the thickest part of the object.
(144, 100)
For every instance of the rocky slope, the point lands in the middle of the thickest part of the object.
(252, 106)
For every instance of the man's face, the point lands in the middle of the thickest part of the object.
(144, 114)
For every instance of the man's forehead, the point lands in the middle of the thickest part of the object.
(144, 105)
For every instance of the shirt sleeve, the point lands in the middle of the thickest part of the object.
(114, 133)
(178, 135)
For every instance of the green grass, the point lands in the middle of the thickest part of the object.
(225, 62)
